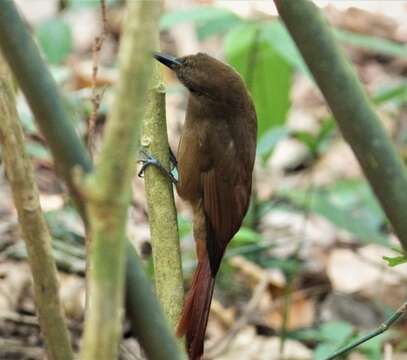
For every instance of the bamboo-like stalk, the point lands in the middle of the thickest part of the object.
(108, 189)
(358, 122)
(42, 94)
(34, 228)
(161, 208)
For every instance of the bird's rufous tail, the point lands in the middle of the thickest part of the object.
(195, 313)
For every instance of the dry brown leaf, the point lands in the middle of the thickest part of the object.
(301, 312)
(82, 74)
(249, 346)
(253, 274)
(72, 293)
(15, 278)
(367, 273)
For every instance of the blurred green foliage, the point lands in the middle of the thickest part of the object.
(266, 73)
(55, 38)
(396, 260)
(349, 204)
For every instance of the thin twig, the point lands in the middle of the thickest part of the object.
(381, 329)
(97, 96)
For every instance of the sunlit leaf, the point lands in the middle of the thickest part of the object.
(394, 261)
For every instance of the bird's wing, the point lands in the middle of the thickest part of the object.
(226, 194)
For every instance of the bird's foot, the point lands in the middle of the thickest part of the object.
(147, 160)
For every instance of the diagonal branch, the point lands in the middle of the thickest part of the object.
(380, 330)
(358, 122)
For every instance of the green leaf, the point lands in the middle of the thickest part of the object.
(394, 261)
(38, 151)
(87, 3)
(336, 332)
(55, 38)
(376, 44)
(372, 349)
(350, 205)
(267, 75)
(307, 138)
(318, 143)
(218, 25)
(269, 140)
(27, 120)
(289, 266)
(324, 350)
(397, 94)
(184, 226)
(279, 38)
(245, 236)
(334, 335)
(199, 15)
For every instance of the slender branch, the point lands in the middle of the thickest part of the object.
(42, 94)
(381, 329)
(108, 190)
(33, 225)
(32, 74)
(357, 120)
(96, 95)
(161, 208)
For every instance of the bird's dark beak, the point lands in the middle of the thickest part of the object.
(167, 60)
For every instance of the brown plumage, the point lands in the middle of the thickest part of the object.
(215, 162)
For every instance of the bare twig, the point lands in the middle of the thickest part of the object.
(381, 329)
(97, 96)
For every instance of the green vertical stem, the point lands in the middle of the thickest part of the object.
(42, 94)
(108, 189)
(161, 208)
(353, 111)
(34, 228)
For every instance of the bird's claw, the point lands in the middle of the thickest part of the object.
(146, 162)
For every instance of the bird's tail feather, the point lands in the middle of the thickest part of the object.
(195, 313)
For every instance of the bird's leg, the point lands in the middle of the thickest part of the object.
(148, 160)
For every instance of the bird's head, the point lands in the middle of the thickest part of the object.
(206, 78)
